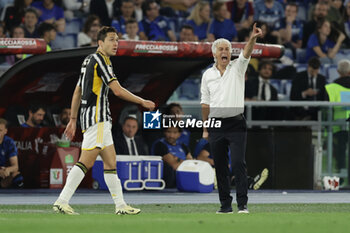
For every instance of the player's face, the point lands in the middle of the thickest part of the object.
(130, 128)
(110, 44)
(38, 117)
(3, 132)
(171, 135)
(223, 54)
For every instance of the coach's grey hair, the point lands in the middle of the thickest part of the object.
(219, 41)
(344, 67)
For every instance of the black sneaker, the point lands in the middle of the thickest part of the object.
(225, 211)
(243, 210)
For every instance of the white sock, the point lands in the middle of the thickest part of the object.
(115, 188)
(74, 178)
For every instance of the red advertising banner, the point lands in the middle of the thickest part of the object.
(22, 46)
(190, 49)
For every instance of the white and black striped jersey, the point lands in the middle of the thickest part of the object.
(96, 73)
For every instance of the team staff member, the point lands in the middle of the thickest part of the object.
(222, 98)
(91, 92)
(9, 173)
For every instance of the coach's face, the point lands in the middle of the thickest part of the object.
(223, 54)
(110, 44)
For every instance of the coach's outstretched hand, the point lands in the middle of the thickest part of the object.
(150, 105)
(70, 129)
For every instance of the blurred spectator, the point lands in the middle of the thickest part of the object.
(242, 13)
(106, 10)
(47, 32)
(347, 22)
(199, 19)
(14, 14)
(127, 13)
(290, 29)
(336, 92)
(2, 35)
(76, 8)
(131, 29)
(126, 142)
(88, 37)
(268, 11)
(156, 27)
(308, 85)
(319, 14)
(321, 46)
(9, 173)
(30, 21)
(267, 37)
(175, 109)
(173, 154)
(36, 114)
(260, 89)
(49, 12)
(221, 27)
(179, 5)
(138, 10)
(16, 32)
(64, 117)
(333, 14)
(187, 34)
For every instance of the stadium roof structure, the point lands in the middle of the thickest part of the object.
(152, 70)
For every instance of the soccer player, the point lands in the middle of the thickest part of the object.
(91, 93)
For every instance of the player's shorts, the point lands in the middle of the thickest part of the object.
(97, 136)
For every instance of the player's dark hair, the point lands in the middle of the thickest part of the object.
(102, 34)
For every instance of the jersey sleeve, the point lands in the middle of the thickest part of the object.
(12, 149)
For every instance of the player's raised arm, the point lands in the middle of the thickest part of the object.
(248, 48)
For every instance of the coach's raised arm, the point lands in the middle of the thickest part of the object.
(248, 48)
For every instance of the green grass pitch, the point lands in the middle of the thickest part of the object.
(179, 218)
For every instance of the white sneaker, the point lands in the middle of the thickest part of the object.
(63, 209)
(127, 210)
(243, 211)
